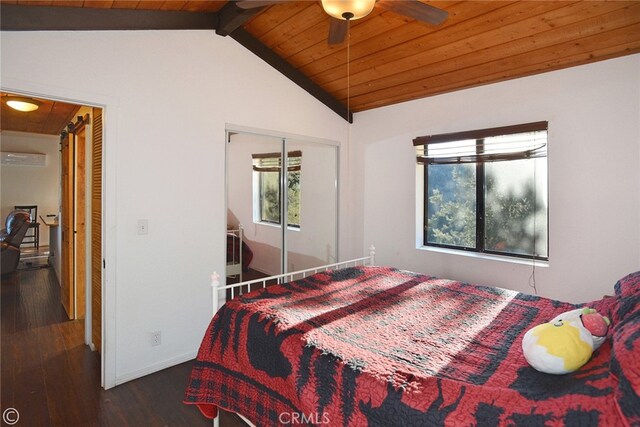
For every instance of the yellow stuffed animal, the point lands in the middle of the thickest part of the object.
(565, 343)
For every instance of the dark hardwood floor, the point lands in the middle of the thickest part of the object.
(52, 378)
(250, 274)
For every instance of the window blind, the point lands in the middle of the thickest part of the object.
(484, 145)
(272, 162)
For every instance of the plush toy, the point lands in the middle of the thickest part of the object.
(565, 343)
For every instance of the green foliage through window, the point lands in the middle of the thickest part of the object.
(495, 204)
(267, 166)
(452, 205)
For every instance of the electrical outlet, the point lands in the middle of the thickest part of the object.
(156, 338)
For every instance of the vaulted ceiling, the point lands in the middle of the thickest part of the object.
(387, 58)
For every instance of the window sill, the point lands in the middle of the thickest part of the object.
(270, 224)
(490, 257)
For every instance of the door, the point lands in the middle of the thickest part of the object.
(66, 218)
(73, 220)
(253, 198)
(311, 205)
(96, 230)
(284, 192)
(79, 225)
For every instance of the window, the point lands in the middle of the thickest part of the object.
(267, 176)
(486, 190)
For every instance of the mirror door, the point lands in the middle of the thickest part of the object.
(312, 205)
(253, 203)
(283, 193)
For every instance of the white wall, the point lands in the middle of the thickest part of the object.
(594, 176)
(31, 185)
(167, 96)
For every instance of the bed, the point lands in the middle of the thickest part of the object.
(379, 346)
(239, 255)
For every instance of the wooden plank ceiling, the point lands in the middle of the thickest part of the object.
(393, 58)
(49, 119)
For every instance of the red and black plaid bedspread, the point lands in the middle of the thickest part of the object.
(382, 347)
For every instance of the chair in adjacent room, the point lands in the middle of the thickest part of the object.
(33, 234)
(17, 225)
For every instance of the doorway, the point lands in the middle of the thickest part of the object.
(81, 222)
(73, 223)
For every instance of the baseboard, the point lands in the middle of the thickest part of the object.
(133, 375)
(263, 271)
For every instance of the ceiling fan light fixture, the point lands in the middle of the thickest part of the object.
(348, 9)
(21, 103)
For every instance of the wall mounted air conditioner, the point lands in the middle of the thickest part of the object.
(23, 159)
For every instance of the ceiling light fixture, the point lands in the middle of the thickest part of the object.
(348, 9)
(21, 103)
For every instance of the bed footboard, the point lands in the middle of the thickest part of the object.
(237, 288)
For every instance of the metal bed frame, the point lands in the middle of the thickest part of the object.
(280, 278)
(234, 266)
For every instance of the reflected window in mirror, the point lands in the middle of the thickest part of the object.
(267, 171)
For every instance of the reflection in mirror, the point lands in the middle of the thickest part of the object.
(313, 243)
(256, 184)
(249, 194)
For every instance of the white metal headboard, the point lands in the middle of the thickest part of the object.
(285, 277)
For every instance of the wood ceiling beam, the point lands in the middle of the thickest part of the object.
(48, 18)
(270, 57)
(231, 17)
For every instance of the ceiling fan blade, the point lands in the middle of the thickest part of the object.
(416, 10)
(252, 4)
(337, 30)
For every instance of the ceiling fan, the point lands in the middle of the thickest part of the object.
(343, 11)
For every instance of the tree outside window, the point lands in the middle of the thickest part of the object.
(268, 168)
(486, 190)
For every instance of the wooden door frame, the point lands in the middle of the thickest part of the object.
(108, 104)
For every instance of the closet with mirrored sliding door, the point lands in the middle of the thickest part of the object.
(282, 200)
